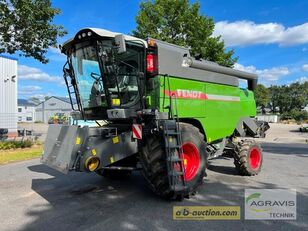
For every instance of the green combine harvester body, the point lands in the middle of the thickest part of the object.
(166, 113)
(217, 108)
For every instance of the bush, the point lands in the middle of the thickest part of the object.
(27, 144)
(13, 144)
(296, 115)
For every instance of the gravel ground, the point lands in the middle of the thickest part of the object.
(285, 133)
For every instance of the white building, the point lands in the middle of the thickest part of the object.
(52, 106)
(26, 111)
(8, 94)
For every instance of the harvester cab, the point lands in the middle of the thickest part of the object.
(106, 71)
(166, 113)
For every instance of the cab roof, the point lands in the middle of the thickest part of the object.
(102, 33)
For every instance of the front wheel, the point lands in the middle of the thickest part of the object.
(153, 159)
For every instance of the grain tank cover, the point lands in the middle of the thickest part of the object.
(177, 61)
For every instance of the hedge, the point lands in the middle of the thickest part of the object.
(13, 144)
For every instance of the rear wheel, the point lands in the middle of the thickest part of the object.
(153, 159)
(248, 158)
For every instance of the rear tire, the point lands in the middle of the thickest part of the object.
(248, 158)
(153, 160)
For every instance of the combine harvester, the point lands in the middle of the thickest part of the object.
(166, 113)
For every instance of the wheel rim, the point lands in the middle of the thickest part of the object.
(255, 158)
(191, 160)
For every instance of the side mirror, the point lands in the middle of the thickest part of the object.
(120, 42)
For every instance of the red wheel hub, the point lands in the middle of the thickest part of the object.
(255, 158)
(191, 160)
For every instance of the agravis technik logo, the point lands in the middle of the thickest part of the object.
(253, 204)
(274, 204)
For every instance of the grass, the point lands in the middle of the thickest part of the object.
(7, 156)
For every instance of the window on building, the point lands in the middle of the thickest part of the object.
(19, 118)
(29, 118)
(19, 109)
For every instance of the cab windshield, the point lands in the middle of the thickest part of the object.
(87, 74)
(104, 76)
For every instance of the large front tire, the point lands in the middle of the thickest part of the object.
(153, 159)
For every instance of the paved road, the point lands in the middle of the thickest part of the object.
(35, 197)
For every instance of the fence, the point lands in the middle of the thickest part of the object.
(11, 127)
(268, 118)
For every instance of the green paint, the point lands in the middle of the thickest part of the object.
(253, 196)
(217, 116)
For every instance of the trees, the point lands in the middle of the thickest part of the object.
(26, 26)
(274, 97)
(282, 98)
(298, 96)
(289, 99)
(179, 22)
(262, 95)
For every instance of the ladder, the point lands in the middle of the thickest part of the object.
(174, 153)
(71, 89)
(174, 159)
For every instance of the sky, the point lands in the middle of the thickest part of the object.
(269, 37)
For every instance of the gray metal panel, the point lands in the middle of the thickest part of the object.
(170, 59)
(107, 149)
(240, 128)
(250, 124)
(59, 147)
(209, 66)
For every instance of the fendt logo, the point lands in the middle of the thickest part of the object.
(186, 94)
(191, 94)
(270, 204)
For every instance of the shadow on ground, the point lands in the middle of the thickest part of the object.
(287, 149)
(227, 170)
(80, 201)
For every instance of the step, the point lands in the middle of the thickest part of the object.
(172, 146)
(174, 159)
(173, 133)
(175, 173)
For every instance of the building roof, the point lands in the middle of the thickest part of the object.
(64, 99)
(24, 102)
